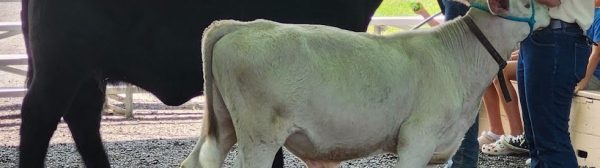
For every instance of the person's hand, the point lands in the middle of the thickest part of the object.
(514, 55)
(582, 84)
(418, 8)
(549, 3)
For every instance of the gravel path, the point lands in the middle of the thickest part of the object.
(159, 136)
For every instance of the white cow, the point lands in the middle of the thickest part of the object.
(330, 95)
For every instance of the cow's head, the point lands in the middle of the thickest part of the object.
(528, 11)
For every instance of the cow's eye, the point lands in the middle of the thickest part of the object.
(527, 6)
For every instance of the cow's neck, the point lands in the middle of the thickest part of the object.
(477, 65)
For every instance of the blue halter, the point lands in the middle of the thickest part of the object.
(530, 20)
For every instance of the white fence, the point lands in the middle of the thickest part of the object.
(10, 29)
(402, 22)
(7, 62)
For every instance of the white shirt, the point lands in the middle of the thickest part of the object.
(575, 11)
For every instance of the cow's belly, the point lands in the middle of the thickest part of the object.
(334, 124)
(330, 148)
(342, 133)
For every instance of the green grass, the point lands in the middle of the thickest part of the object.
(402, 7)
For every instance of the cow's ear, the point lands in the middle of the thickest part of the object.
(499, 7)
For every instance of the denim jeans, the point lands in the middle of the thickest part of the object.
(551, 63)
(453, 9)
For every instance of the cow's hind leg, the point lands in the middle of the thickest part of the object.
(83, 119)
(260, 135)
(217, 138)
(257, 151)
(47, 99)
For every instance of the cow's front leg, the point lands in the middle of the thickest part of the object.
(47, 99)
(415, 147)
(83, 119)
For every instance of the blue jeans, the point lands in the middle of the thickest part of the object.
(551, 63)
(452, 9)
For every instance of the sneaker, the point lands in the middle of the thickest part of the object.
(517, 143)
(528, 162)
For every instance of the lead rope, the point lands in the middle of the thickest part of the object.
(488, 46)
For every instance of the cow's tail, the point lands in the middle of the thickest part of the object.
(205, 153)
(211, 35)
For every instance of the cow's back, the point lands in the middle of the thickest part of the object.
(290, 68)
(156, 44)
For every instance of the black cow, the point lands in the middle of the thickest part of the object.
(76, 47)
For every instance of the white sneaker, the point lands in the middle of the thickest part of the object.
(528, 162)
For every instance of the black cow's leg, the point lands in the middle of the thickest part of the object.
(278, 161)
(83, 119)
(46, 101)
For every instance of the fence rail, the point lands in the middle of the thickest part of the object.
(402, 22)
(7, 61)
(10, 26)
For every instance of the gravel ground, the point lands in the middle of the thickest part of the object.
(159, 136)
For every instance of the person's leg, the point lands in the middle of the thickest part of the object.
(523, 56)
(557, 61)
(454, 9)
(441, 5)
(490, 100)
(511, 108)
